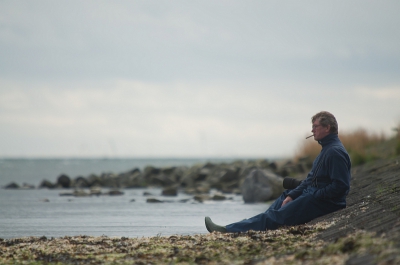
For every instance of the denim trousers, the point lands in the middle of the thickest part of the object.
(299, 211)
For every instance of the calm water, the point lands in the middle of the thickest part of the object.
(45, 213)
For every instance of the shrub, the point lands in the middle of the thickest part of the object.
(357, 143)
(398, 147)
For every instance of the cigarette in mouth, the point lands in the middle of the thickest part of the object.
(309, 136)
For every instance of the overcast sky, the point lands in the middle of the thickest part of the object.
(192, 78)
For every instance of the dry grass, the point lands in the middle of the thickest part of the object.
(359, 143)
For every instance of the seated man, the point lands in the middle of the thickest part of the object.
(322, 192)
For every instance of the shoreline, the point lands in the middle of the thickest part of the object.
(366, 232)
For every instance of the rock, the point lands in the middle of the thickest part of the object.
(27, 186)
(201, 197)
(190, 191)
(110, 180)
(230, 186)
(168, 170)
(64, 181)
(261, 185)
(132, 200)
(46, 184)
(218, 197)
(170, 191)
(45, 200)
(273, 166)
(80, 193)
(202, 188)
(146, 193)
(202, 175)
(12, 185)
(134, 171)
(229, 176)
(135, 180)
(153, 200)
(94, 180)
(209, 165)
(115, 192)
(149, 170)
(81, 182)
(162, 180)
(66, 194)
(96, 190)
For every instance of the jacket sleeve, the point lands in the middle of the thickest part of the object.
(338, 166)
(299, 190)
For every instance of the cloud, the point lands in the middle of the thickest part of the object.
(197, 40)
(191, 78)
(176, 116)
(380, 93)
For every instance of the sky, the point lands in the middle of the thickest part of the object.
(192, 78)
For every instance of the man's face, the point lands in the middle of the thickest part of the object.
(319, 131)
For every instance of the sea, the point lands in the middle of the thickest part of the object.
(43, 212)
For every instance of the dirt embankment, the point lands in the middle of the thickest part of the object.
(373, 203)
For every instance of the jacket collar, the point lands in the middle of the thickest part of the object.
(330, 138)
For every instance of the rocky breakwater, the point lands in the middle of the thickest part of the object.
(256, 180)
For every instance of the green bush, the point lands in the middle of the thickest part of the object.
(357, 158)
(398, 147)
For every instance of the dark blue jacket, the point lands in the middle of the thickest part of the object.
(330, 173)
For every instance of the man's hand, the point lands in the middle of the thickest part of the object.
(287, 200)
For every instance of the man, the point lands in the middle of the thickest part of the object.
(322, 192)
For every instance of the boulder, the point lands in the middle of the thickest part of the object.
(162, 180)
(261, 185)
(135, 180)
(202, 175)
(201, 197)
(153, 200)
(229, 176)
(46, 184)
(202, 188)
(150, 170)
(66, 194)
(27, 186)
(230, 187)
(115, 192)
(168, 170)
(110, 180)
(94, 180)
(96, 190)
(134, 171)
(81, 182)
(170, 191)
(64, 181)
(218, 197)
(12, 185)
(80, 193)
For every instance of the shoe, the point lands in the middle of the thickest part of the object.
(211, 227)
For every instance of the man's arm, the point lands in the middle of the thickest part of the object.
(339, 172)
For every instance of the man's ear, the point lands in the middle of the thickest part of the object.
(328, 128)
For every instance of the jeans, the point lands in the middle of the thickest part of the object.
(299, 211)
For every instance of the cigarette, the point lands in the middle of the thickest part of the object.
(309, 136)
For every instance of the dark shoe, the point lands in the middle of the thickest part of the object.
(211, 227)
